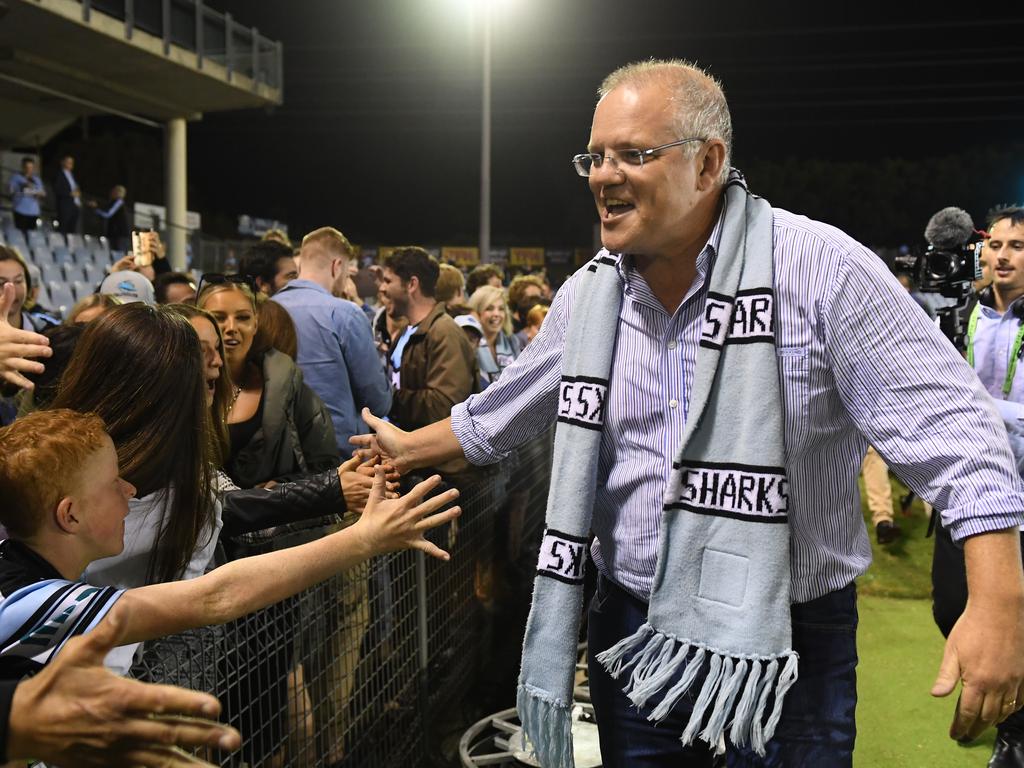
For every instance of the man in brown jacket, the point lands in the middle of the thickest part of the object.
(432, 364)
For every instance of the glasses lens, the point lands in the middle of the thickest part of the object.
(583, 164)
(632, 156)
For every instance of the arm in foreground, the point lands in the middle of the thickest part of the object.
(76, 712)
(986, 646)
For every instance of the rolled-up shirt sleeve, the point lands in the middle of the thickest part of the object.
(918, 402)
(522, 403)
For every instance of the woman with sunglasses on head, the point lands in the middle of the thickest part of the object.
(278, 426)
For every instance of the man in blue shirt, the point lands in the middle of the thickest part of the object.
(26, 190)
(995, 335)
(336, 350)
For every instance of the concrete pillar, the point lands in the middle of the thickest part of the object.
(175, 174)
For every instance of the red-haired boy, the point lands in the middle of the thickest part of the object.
(63, 504)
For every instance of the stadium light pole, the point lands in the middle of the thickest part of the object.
(485, 138)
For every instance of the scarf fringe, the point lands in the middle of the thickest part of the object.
(740, 687)
(547, 723)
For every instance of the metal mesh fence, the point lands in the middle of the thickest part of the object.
(359, 670)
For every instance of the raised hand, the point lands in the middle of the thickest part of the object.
(16, 346)
(356, 477)
(388, 525)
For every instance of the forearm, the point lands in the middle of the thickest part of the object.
(995, 577)
(432, 445)
(241, 586)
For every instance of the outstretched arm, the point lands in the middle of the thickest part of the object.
(428, 446)
(251, 583)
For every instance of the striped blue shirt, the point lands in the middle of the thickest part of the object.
(859, 362)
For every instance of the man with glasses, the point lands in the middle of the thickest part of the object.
(854, 361)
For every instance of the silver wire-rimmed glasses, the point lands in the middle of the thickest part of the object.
(586, 162)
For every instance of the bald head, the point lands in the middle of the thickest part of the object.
(698, 102)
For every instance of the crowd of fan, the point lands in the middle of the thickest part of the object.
(229, 402)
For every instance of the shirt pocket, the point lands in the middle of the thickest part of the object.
(794, 370)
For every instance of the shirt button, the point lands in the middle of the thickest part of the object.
(672, 344)
(673, 403)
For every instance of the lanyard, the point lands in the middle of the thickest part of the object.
(1011, 367)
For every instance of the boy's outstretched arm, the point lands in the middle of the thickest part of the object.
(246, 585)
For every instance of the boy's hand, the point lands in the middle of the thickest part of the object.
(17, 345)
(388, 525)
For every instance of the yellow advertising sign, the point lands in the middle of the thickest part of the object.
(463, 256)
(526, 257)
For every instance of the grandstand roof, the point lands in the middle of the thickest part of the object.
(61, 59)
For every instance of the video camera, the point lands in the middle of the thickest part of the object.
(949, 266)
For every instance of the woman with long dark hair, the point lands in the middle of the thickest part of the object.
(139, 368)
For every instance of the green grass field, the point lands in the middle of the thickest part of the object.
(898, 722)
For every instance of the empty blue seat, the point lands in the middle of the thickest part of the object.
(16, 239)
(62, 255)
(42, 255)
(83, 255)
(82, 289)
(56, 240)
(61, 298)
(93, 273)
(36, 237)
(52, 273)
(73, 272)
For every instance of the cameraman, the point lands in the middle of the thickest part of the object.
(995, 333)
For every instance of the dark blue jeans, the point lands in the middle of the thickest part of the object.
(817, 729)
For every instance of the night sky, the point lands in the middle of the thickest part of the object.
(855, 114)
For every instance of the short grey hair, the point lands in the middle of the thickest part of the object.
(699, 102)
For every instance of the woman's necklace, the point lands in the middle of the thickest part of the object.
(234, 399)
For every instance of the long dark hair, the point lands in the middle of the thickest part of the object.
(140, 369)
(221, 391)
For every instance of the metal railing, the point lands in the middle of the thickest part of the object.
(212, 35)
(366, 669)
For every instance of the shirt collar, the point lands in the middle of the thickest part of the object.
(299, 283)
(993, 313)
(16, 552)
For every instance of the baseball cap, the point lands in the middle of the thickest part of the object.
(468, 321)
(128, 286)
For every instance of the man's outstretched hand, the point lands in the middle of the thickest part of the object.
(77, 713)
(387, 441)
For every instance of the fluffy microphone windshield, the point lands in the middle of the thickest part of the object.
(949, 229)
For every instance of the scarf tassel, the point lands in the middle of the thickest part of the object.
(614, 659)
(548, 722)
(740, 688)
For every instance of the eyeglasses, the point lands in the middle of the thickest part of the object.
(586, 162)
(218, 278)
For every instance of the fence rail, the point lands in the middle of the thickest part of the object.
(367, 669)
